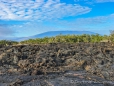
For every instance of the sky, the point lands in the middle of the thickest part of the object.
(23, 18)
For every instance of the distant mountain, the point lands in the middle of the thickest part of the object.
(55, 33)
(50, 34)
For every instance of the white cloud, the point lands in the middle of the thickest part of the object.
(33, 27)
(103, 1)
(91, 2)
(99, 24)
(5, 31)
(96, 20)
(38, 9)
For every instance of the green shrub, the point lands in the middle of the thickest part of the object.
(6, 42)
(66, 39)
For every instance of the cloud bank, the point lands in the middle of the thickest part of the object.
(98, 24)
(103, 1)
(38, 9)
(93, 1)
(5, 31)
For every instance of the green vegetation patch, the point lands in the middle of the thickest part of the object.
(64, 39)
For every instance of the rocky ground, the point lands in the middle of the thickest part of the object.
(57, 64)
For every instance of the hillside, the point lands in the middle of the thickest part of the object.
(49, 34)
(55, 33)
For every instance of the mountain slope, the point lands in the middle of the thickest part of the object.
(50, 34)
(55, 33)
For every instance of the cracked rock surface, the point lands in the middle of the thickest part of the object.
(57, 64)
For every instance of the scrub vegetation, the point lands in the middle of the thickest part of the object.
(65, 39)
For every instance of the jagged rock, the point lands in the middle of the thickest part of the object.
(23, 63)
(94, 58)
(15, 59)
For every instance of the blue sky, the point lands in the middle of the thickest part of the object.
(22, 18)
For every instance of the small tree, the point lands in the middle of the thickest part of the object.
(111, 37)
